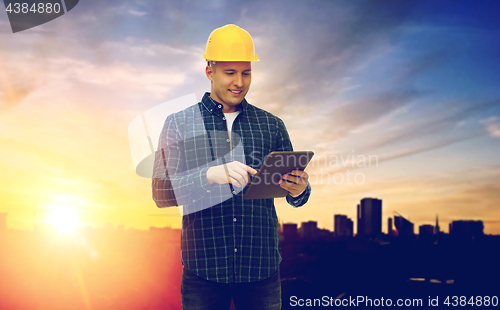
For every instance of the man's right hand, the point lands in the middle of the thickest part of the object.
(234, 172)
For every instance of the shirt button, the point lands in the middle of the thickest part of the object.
(208, 191)
(220, 106)
(194, 200)
(235, 250)
(224, 118)
(234, 220)
(234, 192)
(227, 140)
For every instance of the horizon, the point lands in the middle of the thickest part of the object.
(443, 228)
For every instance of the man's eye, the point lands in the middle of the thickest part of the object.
(246, 73)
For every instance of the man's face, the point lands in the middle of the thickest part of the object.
(230, 83)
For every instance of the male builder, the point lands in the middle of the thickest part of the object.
(206, 156)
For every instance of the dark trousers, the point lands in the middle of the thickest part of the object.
(198, 293)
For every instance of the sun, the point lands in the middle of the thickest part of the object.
(63, 219)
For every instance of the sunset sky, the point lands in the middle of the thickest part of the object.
(413, 84)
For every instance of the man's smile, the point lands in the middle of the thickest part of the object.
(236, 92)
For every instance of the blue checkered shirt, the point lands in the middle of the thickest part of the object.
(229, 239)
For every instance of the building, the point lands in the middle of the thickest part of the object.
(369, 217)
(324, 234)
(466, 229)
(426, 230)
(403, 226)
(309, 230)
(390, 231)
(343, 226)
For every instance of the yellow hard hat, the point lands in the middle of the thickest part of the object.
(230, 43)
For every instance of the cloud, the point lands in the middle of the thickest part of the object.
(12, 95)
(415, 67)
(130, 69)
(435, 121)
(492, 125)
(406, 133)
(15, 86)
(310, 55)
(120, 76)
(136, 13)
(359, 112)
(433, 145)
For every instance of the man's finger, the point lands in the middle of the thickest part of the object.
(293, 177)
(299, 173)
(251, 170)
(243, 173)
(290, 178)
(240, 176)
(243, 170)
(287, 185)
(246, 168)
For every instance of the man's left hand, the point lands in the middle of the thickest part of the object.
(300, 179)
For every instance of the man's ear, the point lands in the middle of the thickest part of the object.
(209, 72)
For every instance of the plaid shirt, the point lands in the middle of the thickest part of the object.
(224, 237)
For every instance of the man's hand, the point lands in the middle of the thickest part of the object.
(300, 178)
(234, 172)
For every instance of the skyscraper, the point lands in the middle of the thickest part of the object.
(309, 230)
(370, 217)
(426, 230)
(343, 226)
(404, 226)
(466, 229)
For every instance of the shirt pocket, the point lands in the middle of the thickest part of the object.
(257, 146)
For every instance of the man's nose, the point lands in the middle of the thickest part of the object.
(238, 81)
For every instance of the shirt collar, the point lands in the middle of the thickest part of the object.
(213, 106)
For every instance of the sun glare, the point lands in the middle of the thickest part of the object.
(63, 219)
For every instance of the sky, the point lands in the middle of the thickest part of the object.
(399, 100)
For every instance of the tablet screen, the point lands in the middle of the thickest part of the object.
(265, 184)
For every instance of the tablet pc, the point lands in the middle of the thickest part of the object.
(265, 183)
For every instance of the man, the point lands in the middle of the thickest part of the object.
(206, 156)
